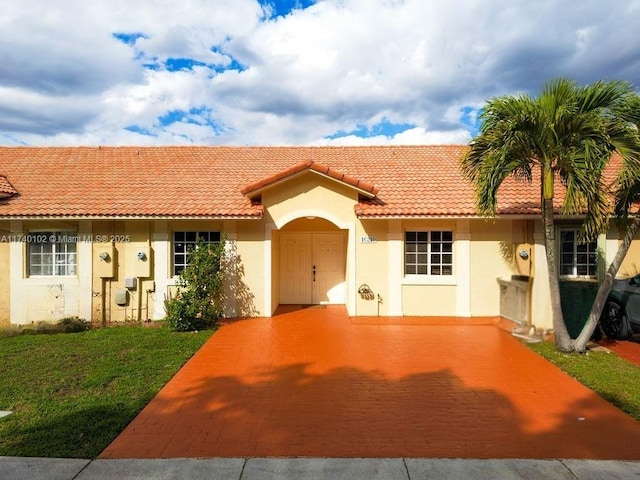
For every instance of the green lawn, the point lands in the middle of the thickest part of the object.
(613, 378)
(71, 394)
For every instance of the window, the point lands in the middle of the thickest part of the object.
(576, 259)
(52, 253)
(428, 253)
(184, 242)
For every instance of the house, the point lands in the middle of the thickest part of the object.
(103, 232)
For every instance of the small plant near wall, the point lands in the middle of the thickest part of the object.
(197, 304)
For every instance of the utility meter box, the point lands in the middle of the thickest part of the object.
(524, 253)
(139, 261)
(121, 297)
(130, 283)
(104, 266)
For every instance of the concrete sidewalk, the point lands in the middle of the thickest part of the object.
(17, 468)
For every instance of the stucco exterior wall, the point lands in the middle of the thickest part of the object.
(432, 300)
(36, 299)
(433, 296)
(252, 274)
(5, 281)
(372, 267)
(631, 264)
(492, 257)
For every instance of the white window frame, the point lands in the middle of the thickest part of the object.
(63, 259)
(429, 251)
(575, 256)
(180, 247)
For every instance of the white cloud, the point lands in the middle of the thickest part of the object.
(332, 67)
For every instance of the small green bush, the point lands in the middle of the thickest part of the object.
(74, 324)
(197, 304)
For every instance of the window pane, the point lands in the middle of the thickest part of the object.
(427, 252)
(57, 257)
(447, 270)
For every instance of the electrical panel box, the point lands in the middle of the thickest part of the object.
(139, 261)
(524, 252)
(121, 297)
(104, 266)
(130, 283)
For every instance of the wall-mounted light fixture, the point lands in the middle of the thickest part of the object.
(142, 256)
(523, 254)
(104, 256)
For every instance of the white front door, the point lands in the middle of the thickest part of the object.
(328, 267)
(312, 268)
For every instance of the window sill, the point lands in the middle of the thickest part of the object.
(567, 278)
(50, 279)
(429, 280)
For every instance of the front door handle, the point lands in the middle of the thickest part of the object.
(314, 273)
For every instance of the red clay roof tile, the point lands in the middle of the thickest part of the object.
(211, 182)
(6, 189)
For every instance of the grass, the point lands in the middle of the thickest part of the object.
(613, 378)
(72, 394)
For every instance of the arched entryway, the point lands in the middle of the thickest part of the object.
(311, 263)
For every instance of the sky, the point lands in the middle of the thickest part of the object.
(292, 72)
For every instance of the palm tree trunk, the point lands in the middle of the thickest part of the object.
(580, 343)
(563, 340)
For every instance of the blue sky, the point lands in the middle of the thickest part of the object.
(304, 72)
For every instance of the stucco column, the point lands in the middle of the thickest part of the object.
(161, 265)
(267, 301)
(351, 269)
(231, 277)
(462, 261)
(541, 315)
(608, 244)
(394, 268)
(16, 275)
(85, 269)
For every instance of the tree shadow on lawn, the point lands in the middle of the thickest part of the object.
(347, 412)
(72, 433)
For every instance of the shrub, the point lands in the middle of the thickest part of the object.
(74, 324)
(197, 304)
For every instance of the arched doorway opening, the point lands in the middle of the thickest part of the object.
(311, 262)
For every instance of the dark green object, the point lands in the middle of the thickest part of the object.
(576, 298)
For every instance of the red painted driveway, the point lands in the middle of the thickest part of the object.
(315, 382)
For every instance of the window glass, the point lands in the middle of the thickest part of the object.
(428, 253)
(184, 242)
(52, 253)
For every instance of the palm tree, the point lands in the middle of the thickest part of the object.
(568, 133)
(627, 193)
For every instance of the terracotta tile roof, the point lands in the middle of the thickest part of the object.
(6, 189)
(209, 182)
(306, 166)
